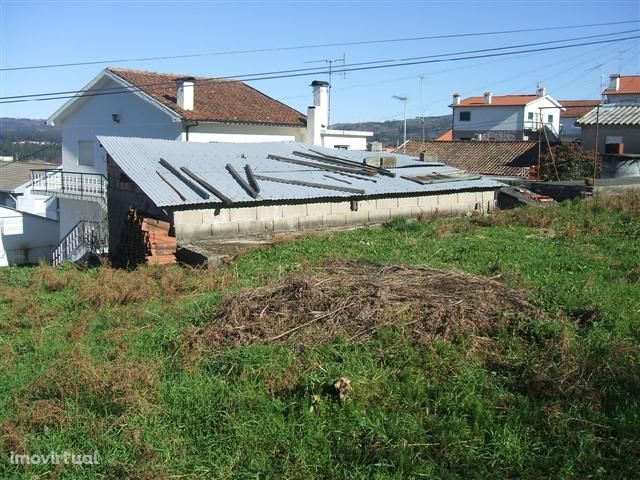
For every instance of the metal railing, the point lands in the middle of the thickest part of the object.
(85, 237)
(73, 184)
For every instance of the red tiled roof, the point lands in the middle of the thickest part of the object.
(577, 108)
(215, 100)
(484, 158)
(628, 84)
(446, 136)
(498, 101)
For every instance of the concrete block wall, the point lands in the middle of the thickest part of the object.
(237, 223)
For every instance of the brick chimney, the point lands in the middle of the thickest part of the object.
(488, 98)
(185, 92)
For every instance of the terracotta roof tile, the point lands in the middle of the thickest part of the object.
(446, 136)
(498, 101)
(484, 158)
(577, 108)
(216, 100)
(629, 84)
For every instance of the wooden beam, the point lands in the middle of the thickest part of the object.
(184, 179)
(241, 181)
(311, 184)
(206, 185)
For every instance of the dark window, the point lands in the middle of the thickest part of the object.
(530, 116)
(549, 118)
(465, 116)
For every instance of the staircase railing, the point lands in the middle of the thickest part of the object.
(85, 237)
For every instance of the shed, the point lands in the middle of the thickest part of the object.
(229, 191)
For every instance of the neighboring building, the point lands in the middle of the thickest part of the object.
(504, 117)
(15, 189)
(623, 89)
(446, 136)
(172, 107)
(612, 129)
(499, 159)
(574, 109)
(25, 238)
(233, 191)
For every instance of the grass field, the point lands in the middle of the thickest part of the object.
(104, 360)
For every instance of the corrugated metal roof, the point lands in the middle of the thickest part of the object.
(613, 114)
(139, 159)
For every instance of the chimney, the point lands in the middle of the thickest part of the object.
(541, 92)
(185, 92)
(487, 98)
(321, 102)
(313, 127)
(456, 99)
(614, 82)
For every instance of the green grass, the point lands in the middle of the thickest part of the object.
(93, 360)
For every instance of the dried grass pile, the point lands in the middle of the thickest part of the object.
(356, 299)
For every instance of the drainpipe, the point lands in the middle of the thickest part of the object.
(187, 124)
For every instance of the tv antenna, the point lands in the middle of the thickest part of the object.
(331, 62)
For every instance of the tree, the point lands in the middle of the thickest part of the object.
(568, 162)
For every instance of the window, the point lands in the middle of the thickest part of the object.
(341, 147)
(465, 116)
(530, 116)
(86, 153)
(549, 118)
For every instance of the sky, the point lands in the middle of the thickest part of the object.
(52, 32)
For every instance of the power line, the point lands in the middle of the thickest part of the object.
(325, 45)
(315, 71)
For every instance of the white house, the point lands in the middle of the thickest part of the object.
(623, 89)
(504, 117)
(574, 109)
(135, 103)
(25, 238)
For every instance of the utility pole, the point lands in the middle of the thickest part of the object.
(422, 104)
(404, 99)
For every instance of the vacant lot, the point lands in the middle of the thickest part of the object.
(502, 346)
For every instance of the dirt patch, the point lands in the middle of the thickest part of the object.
(356, 300)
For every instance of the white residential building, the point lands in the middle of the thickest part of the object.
(133, 103)
(623, 89)
(504, 117)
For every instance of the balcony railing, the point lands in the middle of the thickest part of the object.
(69, 184)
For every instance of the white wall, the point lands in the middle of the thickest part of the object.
(238, 133)
(623, 98)
(26, 238)
(333, 138)
(545, 107)
(237, 223)
(94, 117)
(42, 205)
(489, 118)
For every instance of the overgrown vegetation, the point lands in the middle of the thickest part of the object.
(569, 161)
(182, 373)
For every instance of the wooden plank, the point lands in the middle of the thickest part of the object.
(241, 181)
(173, 187)
(320, 166)
(252, 178)
(206, 185)
(184, 179)
(312, 184)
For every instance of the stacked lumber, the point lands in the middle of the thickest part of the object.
(161, 247)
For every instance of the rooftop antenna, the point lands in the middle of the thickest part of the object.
(331, 62)
(422, 103)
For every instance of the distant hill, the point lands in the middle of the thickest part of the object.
(391, 132)
(29, 139)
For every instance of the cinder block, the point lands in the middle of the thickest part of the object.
(379, 215)
(407, 202)
(341, 207)
(225, 230)
(421, 211)
(243, 214)
(193, 232)
(311, 223)
(400, 213)
(255, 227)
(337, 220)
(361, 217)
(316, 209)
(209, 216)
(294, 211)
(191, 217)
(289, 224)
(269, 213)
(386, 203)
